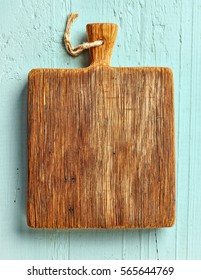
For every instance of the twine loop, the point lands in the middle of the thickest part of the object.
(67, 41)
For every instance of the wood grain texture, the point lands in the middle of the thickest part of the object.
(101, 144)
(151, 33)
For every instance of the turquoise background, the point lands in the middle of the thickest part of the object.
(151, 33)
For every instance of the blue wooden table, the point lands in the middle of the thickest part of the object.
(151, 33)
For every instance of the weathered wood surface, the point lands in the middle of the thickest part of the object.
(101, 144)
(151, 33)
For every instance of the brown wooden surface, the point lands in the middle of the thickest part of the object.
(101, 144)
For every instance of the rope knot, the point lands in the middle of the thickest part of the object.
(67, 41)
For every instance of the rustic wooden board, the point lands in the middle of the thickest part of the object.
(101, 144)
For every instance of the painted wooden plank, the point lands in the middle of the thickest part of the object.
(194, 190)
(101, 244)
(183, 129)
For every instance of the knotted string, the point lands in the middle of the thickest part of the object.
(80, 48)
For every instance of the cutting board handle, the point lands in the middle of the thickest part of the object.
(107, 32)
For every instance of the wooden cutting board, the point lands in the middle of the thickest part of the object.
(101, 144)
